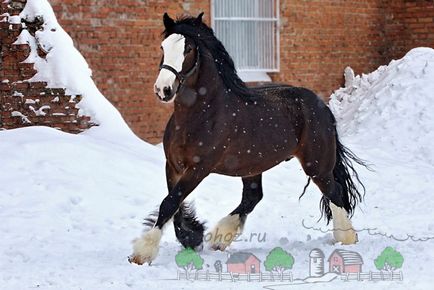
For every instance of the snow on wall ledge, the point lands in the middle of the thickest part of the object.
(63, 66)
(391, 107)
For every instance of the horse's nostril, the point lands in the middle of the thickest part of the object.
(167, 91)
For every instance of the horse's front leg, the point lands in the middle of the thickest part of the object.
(188, 229)
(228, 228)
(145, 248)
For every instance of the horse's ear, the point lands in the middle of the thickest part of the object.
(198, 20)
(168, 22)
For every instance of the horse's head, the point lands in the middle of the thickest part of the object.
(179, 63)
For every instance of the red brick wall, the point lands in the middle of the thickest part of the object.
(24, 103)
(409, 24)
(121, 42)
(319, 38)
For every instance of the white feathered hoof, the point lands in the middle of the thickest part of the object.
(346, 237)
(145, 249)
(343, 231)
(225, 232)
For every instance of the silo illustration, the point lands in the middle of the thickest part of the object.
(316, 265)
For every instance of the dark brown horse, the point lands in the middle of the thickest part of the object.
(221, 126)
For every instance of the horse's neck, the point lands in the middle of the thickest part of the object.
(204, 98)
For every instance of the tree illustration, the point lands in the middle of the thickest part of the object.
(389, 260)
(188, 259)
(278, 260)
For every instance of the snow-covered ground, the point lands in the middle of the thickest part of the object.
(71, 204)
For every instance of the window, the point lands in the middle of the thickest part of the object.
(249, 31)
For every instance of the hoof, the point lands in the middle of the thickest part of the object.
(219, 247)
(139, 260)
(225, 232)
(198, 248)
(343, 230)
(145, 249)
(346, 237)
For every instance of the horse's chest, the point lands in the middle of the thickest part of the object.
(184, 152)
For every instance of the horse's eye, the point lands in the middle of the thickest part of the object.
(188, 48)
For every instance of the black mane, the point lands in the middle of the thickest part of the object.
(204, 37)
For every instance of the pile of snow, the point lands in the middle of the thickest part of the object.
(65, 67)
(391, 107)
(71, 204)
(386, 118)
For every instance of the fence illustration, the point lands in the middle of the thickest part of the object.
(373, 276)
(234, 277)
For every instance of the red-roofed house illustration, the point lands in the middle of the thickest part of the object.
(243, 263)
(343, 261)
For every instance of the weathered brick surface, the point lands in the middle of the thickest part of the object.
(24, 103)
(409, 24)
(121, 42)
(32, 103)
(319, 38)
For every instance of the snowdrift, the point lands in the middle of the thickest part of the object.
(65, 67)
(391, 107)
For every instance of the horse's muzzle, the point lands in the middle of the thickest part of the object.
(165, 99)
(167, 95)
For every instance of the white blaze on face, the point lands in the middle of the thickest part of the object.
(173, 49)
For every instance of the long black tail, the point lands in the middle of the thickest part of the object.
(347, 177)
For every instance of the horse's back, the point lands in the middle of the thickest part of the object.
(306, 107)
(284, 91)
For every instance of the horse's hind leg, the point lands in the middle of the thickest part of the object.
(231, 226)
(318, 163)
(333, 204)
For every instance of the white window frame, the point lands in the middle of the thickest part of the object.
(255, 74)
